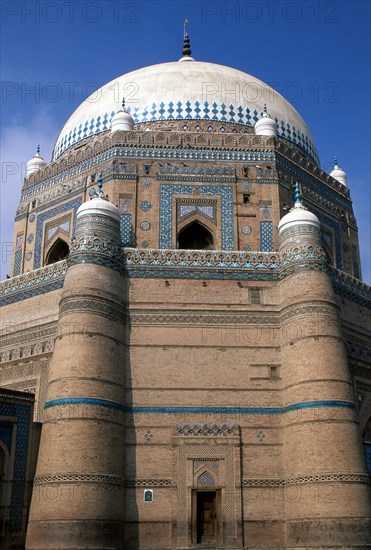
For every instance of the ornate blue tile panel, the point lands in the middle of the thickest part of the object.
(266, 236)
(167, 191)
(126, 231)
(41, 218)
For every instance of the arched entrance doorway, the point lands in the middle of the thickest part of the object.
(195, 236)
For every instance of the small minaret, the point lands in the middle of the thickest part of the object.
(265, 126)
(326, 500)
(77, 498)
(339, 174)
(122, 120)
(35, 163)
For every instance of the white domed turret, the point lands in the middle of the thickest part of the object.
(35, 163)
(299, 215)
(266, 126)
(339, 174)
(122, 120)
(99, 204)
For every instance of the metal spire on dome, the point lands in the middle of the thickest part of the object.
(335, 161)
(38, 149)
(123, 103)
(186, 21)
(186, 45)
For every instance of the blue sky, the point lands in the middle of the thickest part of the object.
(316, 54)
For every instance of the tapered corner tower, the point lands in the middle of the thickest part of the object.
(327, 504)
(78, 474)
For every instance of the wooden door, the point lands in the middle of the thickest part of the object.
(206, 517)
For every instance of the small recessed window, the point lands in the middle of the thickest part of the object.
(274, 373)
(246, 198)
(255, 296)
(222, 129)
(148, 495)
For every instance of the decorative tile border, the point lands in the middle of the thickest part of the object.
(315, 478)
(330, 403)
(185, 110)
(181, 264)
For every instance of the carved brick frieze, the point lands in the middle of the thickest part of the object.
(315, 478)
(197, 317)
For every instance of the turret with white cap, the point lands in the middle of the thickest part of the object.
(266, 126)
(338, 173)
(87, 373)
(314, 373)
(122, 120)
(35, 163)
(299, 215)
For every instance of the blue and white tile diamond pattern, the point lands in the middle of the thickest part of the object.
(266, 236)
(184, 110)
(126, 232)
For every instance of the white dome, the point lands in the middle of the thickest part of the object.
(181, 91)
(298, 215)
(35, 164)
(99, 205)
(122, 120)
(339, 174)
(266, 126)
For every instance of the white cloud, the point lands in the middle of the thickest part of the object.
(19, 141)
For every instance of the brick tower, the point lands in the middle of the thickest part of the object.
(320, 444)
(80, 433)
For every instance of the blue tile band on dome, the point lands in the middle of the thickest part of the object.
(330, 403)
(185, 110)
(167, 192)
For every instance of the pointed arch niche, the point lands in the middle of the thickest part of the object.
(57, 236)
(57, 251)
(197, 227)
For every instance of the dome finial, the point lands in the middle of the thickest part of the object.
(187, 42)
(186, 45)
(100, 183)
(123, 103)
(335, 161)
(38, 149)
(186, 21)
(297, 196)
